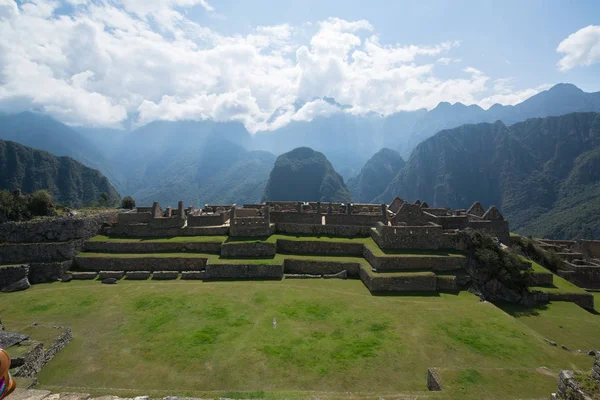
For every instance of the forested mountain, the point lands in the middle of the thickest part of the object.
(41, 132)
(305, 175)
(375, 176)
(70, 182)
(544, 173)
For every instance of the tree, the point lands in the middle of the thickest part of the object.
(128, 203)
(40, 203)
(104, 200)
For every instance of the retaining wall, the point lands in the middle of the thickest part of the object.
(152, 247)
(165, 275)
(428, 263)
(328, 230)
(425, 282)
(12, 253)
(590, 248)
(583, 276)
(59, 229)
(137, 275)
(29, 363)
(12, 273)
(249, 249)
(446, 283)
(145, 230)
(129, 218)
(59, 343)
(584, 300)
(541, 278)
(244, 271)
(318, 247)
(317, 267)
(140, 264)
(48, 272)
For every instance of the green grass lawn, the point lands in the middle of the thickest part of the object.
(560, 285)
(333, 340)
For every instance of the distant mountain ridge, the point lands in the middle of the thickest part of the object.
(543, 173)
(70, 182)
(305, 175)
(376, 175)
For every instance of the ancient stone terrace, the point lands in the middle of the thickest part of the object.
(581, 260)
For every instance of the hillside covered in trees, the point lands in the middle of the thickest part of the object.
(68, 181)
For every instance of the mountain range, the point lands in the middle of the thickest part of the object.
(221, 162)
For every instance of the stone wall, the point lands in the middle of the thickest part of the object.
(421, 282)
(48, 272)
(250, 227)
(59, 229)
(318, 247)
(130, 218)
(30, 362)
(248, 249)
(207, 219)
(582, 276)
(244, 271)
(584, 300)
(434, 382)
(59, 343)
(296, 218)
(318, 267)
(152, 247)
(11, 253)
(148, 263)
(497, 228)
(145, 230)
(413, 237)
(428, 263)
(327, 230)
(12, 273)
(137, 275)
(446, 283)
(165, 275)
(354, 219)
(590, 248)
(541, 278)
(166, 223)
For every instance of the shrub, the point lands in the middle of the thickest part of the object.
(528, 248)
(40, 204)
(128, 203)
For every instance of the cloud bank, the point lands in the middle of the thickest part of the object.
(100, 64)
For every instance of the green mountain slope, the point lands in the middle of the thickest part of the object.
(375, 175)
(70, 182)
(305, 175)
(544, 173)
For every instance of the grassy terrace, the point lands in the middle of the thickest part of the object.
(560, 285)
(334, 340)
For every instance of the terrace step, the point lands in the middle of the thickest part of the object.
(152, 247)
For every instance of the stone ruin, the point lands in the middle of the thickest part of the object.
(580, 260)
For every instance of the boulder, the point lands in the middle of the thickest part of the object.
(67, 278)
(21, 284)
(109, 281)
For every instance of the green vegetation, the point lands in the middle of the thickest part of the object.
(376, 174)
(334, 339)
(68, 181)
(542, 190)
(128, 203)
(560, 285)
(305, 175)
(18, 207)
(527, 247)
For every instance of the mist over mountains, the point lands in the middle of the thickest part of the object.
(221, 162)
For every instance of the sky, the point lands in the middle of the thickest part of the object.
(109, 63)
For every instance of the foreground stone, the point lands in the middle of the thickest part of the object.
(21, 284)
(109, 281)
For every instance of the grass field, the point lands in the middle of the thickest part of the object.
(333, 340)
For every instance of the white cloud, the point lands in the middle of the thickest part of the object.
(505, 94)
(581, 48)
(146, 59)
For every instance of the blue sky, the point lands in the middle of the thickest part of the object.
(104, 62)
(502, 37)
